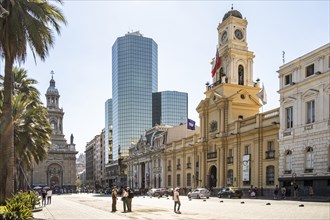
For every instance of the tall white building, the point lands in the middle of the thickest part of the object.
(304, 136)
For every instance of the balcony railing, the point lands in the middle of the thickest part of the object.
(169, 168)
(189, 165)
(212, 155)
(270, 154)
(178, 166)
(287, 171)
(309, 170)
(209, 87)
(230, 160)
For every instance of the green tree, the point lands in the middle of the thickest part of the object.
(31, 126)
(29, 22)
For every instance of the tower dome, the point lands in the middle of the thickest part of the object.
(232, 12)
(52, 89)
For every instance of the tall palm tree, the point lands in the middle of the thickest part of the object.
(29, 23)
(31, 126)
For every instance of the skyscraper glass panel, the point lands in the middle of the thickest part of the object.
(134, 79)
(170, 108)
(107, 127)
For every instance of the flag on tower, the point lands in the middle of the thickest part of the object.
(262, 95)
(216, 63)
(190, 124)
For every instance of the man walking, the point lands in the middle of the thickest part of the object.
(176, 198)
(114, 199)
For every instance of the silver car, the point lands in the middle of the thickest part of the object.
(199, 193)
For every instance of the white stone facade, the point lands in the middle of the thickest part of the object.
(304, 136)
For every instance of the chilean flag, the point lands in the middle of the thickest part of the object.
(216, 64)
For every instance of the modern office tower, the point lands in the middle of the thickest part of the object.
(134, 79)
(169, 108)
(107, 128)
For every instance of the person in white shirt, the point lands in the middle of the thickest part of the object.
(176, 198)
(49, 196)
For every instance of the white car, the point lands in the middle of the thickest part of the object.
(199, 193)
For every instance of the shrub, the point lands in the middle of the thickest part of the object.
(19, 207)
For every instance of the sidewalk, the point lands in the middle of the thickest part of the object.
(303, 198)
(62, 208)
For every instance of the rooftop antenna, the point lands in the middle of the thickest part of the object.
(283, 56)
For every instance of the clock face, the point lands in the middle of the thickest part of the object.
(238, 34)
(224, 37)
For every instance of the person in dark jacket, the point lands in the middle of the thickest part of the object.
(129, 199)
(114, 194)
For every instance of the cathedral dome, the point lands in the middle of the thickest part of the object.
(232, 12)
(51, 89)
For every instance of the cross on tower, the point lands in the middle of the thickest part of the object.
(52, 72)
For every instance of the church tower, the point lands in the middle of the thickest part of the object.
(55, 114)
(58, 170)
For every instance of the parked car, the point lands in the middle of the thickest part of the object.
(230, 192)
(154, 192)
(199, 193)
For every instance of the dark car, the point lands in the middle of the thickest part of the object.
(230, 192)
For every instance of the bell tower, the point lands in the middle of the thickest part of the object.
(55, 113)
(236, 61)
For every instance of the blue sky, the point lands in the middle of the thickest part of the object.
(186, 34)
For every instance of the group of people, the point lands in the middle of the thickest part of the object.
(295, 191)
(128, 194)
(46, 195)
(126, 197)
(277, 191)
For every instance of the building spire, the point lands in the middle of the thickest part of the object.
(52, 72)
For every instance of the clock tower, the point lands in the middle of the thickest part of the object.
(236, 60)
(232, 95)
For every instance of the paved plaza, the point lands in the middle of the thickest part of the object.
(94, 206)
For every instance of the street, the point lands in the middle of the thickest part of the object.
(94, 206)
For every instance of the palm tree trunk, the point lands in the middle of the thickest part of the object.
(7, 135)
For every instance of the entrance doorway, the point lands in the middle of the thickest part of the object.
(213, 177)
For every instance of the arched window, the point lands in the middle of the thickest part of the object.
(288, 161)
(270, 175)
(230, 177)
(309, 161)
(240, 75)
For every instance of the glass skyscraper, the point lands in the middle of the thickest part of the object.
(107, 127)
(134, 79)
(169, 108)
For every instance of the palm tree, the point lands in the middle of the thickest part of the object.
(31, 126)
(29, 23)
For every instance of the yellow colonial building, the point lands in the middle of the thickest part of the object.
(237, 145)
